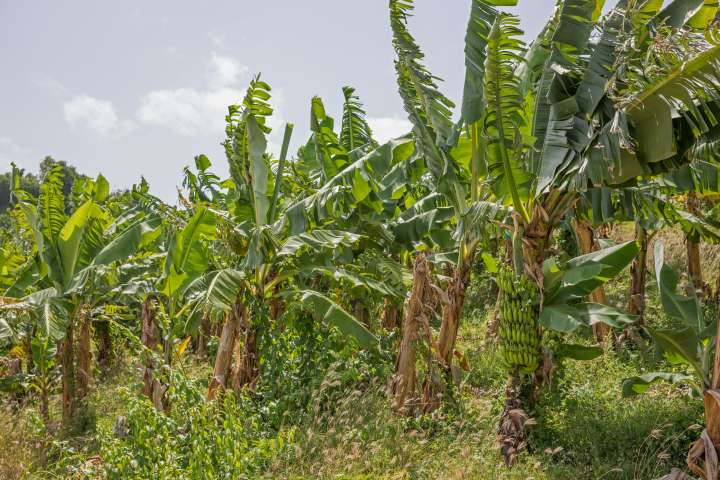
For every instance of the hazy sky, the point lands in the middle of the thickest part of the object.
(130, 88)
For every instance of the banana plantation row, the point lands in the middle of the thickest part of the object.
(602, 119)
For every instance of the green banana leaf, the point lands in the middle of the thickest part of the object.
(686, 309)
(318, 240)
(567, 318)
(636, 385)
(581, 275)
(333, 314)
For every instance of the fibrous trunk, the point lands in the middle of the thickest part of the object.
(28, 348)
(586, 235)
(404, 380)
(67, 364)
(15, 368)
(277, 306)
(247, 371)
(451, 313)
(45, 404)
(693, 249)
(224, 356)
(390, 315)
(104, 347)
(152, 387)
(202, 338)
(360, 312)
(84, 360)
(638, 274)
(707, 448)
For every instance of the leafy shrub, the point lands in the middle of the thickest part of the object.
(221, 439)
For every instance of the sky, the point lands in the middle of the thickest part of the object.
(137, 88)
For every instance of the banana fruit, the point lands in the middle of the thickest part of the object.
(519, 330)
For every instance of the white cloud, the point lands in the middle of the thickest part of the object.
(225, 71)
(192, 111)
(201, 111)
(188, 111)
(387, 128)
(93, 114)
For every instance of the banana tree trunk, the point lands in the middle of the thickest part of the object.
(493, 325)
(67, 364)
(15, 368)
(224, 356)
(693, 248)
(84, 360)
(360, 312)
(30, 366)
(149, 340)
(152, 387)
(712, 400)
(390, 315)
(104, 348)
(277, 306)
(45, 403)
(202, 338)
(404, 381)
(247, 371)
(452, 312)
(638, 275)
(707, 448)
(586, 235)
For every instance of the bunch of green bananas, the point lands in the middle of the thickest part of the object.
(519, 311)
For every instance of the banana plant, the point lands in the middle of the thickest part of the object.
(692, 348)
(41, 378)
(269, 238)
(71, 251)
(562, 116)
(452, 153)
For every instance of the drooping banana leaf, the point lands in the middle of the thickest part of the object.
(569, 39)
(581, 275)
(482, 16)
(223, 288)
(428, 109)
(686, 309)
(636, 385)
(686, 88)
(318, 240)
(128, 241)
(697, 13)
(566, 318)
(333, 314)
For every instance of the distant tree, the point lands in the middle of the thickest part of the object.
(29, 183)
(70, 173)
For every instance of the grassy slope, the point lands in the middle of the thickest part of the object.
(585, 429)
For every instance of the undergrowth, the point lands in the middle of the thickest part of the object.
(326, 414)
